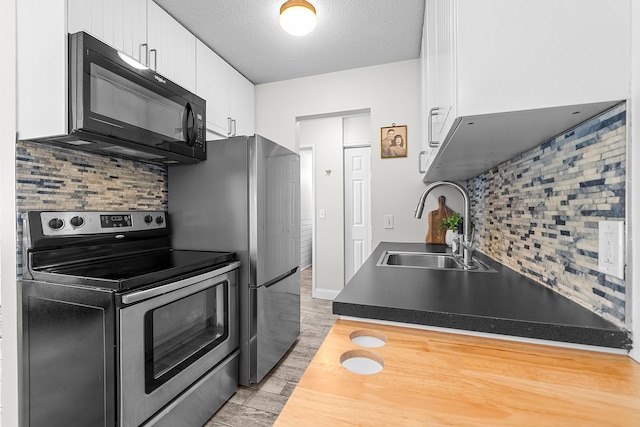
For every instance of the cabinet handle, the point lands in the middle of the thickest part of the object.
(432, 113)
(229, 120)
(146, 54)
(155, 59)
(422, 153)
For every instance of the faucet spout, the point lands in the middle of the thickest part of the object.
(467, 243)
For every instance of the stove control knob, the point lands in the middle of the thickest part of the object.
(159, 219)
(148, 219)
(56, 223)
(77, 221)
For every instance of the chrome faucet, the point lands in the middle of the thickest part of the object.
(466, 245)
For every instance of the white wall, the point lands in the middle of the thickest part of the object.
(8, 288)
(392, 94)
(634, 171)
(356, 130)
(325, 135)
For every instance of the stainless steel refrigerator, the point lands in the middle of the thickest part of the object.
(246, 198)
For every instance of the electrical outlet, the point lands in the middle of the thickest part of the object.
(611, 248)
(323, 214)
(388, 221)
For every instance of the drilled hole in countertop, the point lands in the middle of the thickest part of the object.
(362, 362)
(368, 338)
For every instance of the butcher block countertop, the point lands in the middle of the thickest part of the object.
(436, 378)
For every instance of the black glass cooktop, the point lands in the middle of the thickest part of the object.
(124, 273)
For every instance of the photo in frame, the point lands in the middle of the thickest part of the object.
(393, 141)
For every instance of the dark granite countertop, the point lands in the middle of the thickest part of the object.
(504, 302)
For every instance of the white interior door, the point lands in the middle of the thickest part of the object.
(357, 208)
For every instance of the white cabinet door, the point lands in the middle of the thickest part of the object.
(229, 95)
(118, 23)
(212, 84)
(130, 35)
(444, 67)
(41, 68)
(241, 104)
(431, 70)
(95, 17)
(515, 56)
(172, 49)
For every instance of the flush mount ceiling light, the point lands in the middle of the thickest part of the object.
(297, 17)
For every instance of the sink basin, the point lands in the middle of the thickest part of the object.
(434, 261)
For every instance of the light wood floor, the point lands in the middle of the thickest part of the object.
(259, 405)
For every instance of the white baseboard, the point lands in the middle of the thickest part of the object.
(329, 294)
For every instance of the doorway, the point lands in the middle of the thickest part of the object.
(325, 138)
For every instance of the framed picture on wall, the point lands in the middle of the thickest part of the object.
(393, 142)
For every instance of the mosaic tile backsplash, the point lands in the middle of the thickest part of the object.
(538, 213)
(53, 178)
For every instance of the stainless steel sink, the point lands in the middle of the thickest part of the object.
(434, 261)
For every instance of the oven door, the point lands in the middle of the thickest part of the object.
(169, 341)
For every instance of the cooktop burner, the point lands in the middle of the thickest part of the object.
(144, 269)
(112, 250)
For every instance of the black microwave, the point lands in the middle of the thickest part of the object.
(121, 108)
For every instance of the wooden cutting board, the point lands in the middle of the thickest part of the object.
(435, 234)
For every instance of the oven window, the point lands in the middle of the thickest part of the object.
(179, 333)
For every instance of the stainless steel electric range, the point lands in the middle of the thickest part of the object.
(120, 329)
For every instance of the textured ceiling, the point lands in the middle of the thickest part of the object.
(349, 34)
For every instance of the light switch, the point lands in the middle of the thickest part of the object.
(322, 214)
(388, 221)
(611, 248)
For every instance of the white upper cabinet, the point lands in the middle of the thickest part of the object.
(229, 95)
(437, 75)
(41, 68)
(119, 23)
(212, 84)
(172, 48)
(241, 104)
(502, 76)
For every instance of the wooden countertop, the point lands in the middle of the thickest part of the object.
(435, 378)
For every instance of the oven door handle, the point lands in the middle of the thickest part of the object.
(170, 287)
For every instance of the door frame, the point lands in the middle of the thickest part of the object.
(311, 149)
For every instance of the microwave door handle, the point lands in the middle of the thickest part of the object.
(188, 117)
(194, 128)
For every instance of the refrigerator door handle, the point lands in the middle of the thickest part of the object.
(280, 278)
